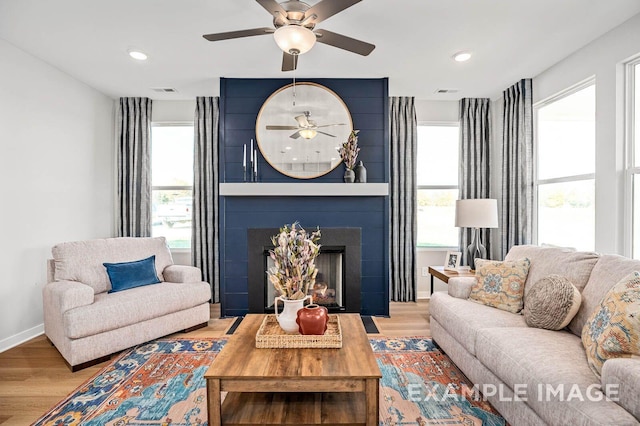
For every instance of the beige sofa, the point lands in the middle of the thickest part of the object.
(539, 376)
(87, 324)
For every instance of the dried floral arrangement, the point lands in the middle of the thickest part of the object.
(349, 150)
(294, 254)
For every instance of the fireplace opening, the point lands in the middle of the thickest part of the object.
(339, 273)
(328, 289)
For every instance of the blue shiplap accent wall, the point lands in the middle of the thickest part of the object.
(240, 101)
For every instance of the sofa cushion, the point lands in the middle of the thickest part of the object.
(82, 260)
(111, 311)
(463, 318)
(551, 371)
(613, 329)
(127, 275)
(609, 270)
(552, 303)
(500, 284)
(574, 265)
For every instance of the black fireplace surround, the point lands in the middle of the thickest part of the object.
(347, 239)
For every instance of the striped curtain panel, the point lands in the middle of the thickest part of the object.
(474, 175)
(133, 140)
(516, 218)
(404, 137)
(204, 238)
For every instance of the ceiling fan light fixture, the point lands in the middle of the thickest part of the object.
(294, 39)
(308, 133)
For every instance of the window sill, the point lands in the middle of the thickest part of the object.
(441, 248)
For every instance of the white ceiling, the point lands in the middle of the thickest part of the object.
(415, 39)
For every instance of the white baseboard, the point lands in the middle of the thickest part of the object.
(16, 339)
(423, 295)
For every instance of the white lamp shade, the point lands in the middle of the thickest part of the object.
(477, 213)
(294, 39)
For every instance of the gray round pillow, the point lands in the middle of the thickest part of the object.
(551, 303)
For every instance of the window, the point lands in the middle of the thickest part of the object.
(437, 177)
(565, 130)
(172, 182)
(633, 138)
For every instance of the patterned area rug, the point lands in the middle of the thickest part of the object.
(421, 386)
(162, 383)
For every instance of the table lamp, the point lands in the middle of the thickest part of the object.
(476, 214)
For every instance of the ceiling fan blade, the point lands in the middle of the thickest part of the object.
(303, 121)
(289, 62)
(343, 42)
(296, 135)
(238, 34)
(331, 125)
(333, 136)
(327, 8)
(273, 7)
(282, 127)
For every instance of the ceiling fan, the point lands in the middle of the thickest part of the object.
(294, 29)
(307, 128)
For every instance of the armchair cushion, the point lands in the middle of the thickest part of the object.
(112, 311)
(83, 260)
(127, 275)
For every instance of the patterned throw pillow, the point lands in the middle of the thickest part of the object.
(500, 284)
(613, 330)
(551, 303)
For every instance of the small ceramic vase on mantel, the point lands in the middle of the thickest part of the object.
(349, 175)
(312, 319)
(361, 173)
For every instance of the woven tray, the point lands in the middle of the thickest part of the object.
(270, 335)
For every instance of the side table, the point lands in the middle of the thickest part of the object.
(441, 274)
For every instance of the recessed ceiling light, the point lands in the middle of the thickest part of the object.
(287, 147)
(136, 54)
(462, 56)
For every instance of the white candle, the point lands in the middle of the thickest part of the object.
(244, 156)
(251, 151)
(255, 164)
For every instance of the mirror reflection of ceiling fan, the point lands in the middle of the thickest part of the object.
(294, 29)
(307, 128)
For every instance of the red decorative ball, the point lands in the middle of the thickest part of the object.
(312, 319)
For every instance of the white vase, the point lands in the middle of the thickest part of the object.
(287, 318)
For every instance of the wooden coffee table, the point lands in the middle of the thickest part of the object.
(294, 386)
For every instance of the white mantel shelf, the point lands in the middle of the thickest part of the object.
(304, 189)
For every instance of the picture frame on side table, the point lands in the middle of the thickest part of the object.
(452, 261)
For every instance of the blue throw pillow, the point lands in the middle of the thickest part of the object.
(126, 275)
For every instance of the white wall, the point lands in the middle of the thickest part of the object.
(603, 59)
(56, 165)
(173, 111)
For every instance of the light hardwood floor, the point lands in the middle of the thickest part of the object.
(34, 377)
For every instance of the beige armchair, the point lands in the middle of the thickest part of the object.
(87, 323)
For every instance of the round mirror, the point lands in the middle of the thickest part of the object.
(300, 129)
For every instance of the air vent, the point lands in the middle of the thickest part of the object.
(164, 89)
(447, 91)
